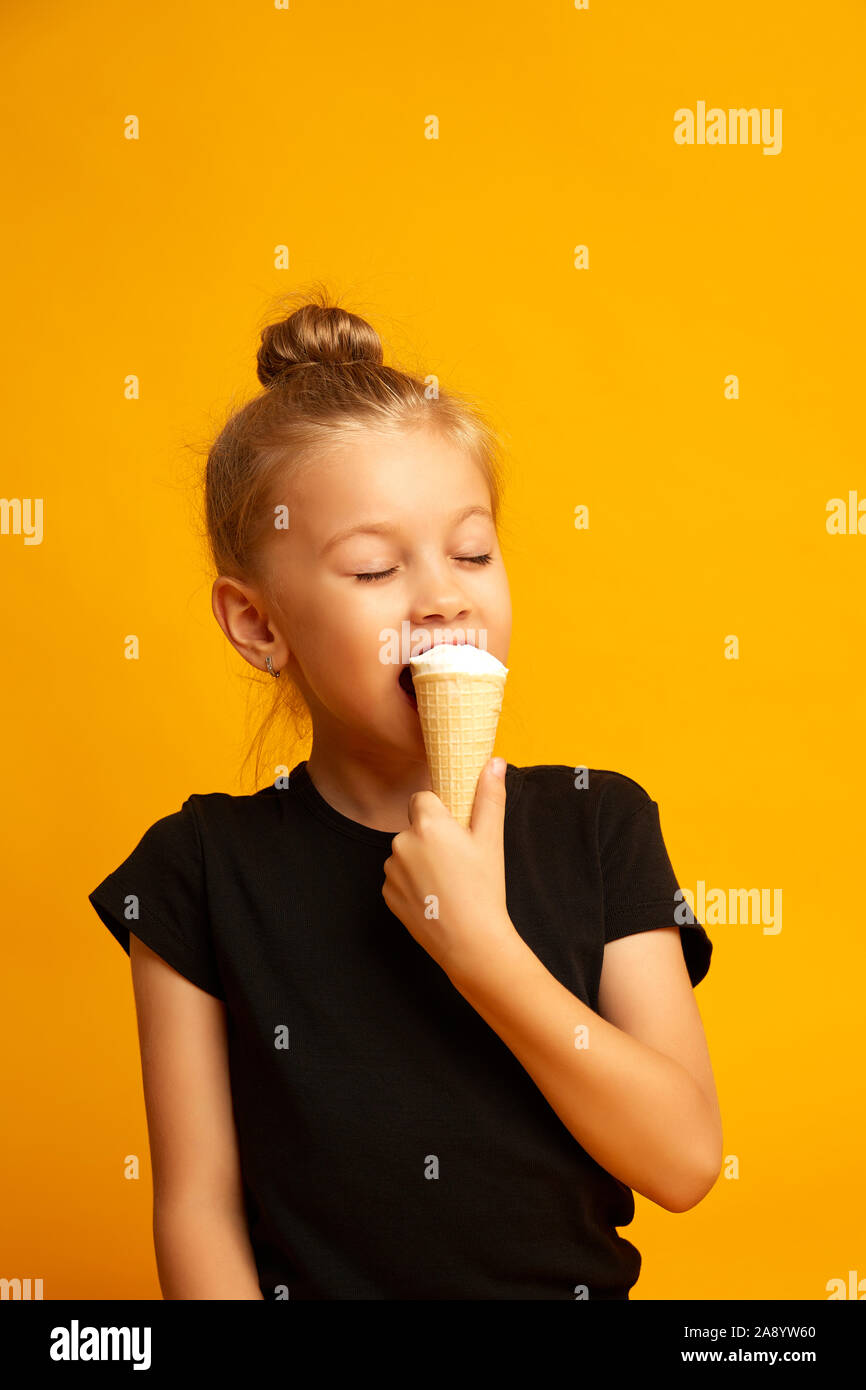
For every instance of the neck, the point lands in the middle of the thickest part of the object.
(369, 787)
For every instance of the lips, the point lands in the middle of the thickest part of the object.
(407, 684)
(405, 676)
(445, 642)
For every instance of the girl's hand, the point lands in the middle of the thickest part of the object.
(446, 884)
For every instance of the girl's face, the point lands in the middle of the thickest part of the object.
(431, 506)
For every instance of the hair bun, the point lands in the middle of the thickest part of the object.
(316, 333)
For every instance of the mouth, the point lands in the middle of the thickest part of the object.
(405, 681)
(407, 685)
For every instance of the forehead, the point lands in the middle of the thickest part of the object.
(412, 478)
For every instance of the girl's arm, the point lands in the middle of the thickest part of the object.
(201, 1238)
(203, 1253)
(637, 1094)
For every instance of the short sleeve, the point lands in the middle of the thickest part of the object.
(641, 891)
(158, 893)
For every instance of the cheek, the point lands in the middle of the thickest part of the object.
(347, 657)
(341, 635)
(502, 605)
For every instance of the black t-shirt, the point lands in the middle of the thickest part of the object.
(392, 1146)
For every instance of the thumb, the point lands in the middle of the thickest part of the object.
(488, 808)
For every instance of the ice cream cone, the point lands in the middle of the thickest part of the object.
(459, 691)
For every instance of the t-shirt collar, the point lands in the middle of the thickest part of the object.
(301, 783)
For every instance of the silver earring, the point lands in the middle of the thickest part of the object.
(270, 666)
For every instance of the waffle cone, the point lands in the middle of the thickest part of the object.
(459, 713)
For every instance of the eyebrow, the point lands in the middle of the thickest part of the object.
(377, 528)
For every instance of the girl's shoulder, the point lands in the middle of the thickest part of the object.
(603, 790)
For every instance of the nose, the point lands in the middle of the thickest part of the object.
(439, 596)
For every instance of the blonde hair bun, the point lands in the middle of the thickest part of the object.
(316, 334)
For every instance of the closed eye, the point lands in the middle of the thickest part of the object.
(467, 559)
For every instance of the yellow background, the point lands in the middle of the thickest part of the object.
(260, 127)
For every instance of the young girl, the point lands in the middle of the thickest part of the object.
(348, 1095)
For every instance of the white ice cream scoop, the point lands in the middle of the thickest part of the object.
(457, 656)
